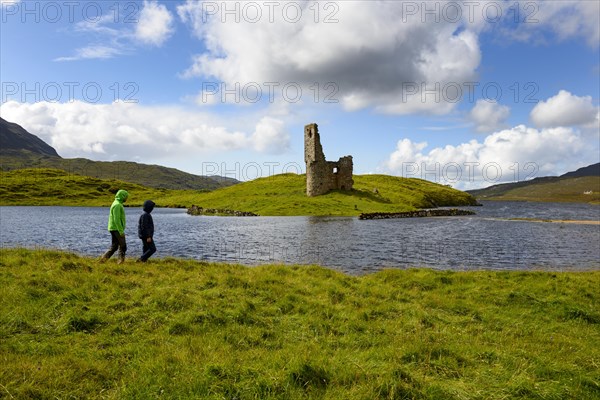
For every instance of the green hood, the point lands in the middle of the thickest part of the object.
(121, 195)
(116, 218)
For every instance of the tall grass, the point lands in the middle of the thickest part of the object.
(72, 328)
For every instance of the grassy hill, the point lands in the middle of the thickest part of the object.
(155, 176)
(276, 195)
(553, 189)
(285, 195)
(569, 187)
(181, 329)
(50, 187)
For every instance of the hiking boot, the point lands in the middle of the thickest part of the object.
(102, 260)
(121, 260)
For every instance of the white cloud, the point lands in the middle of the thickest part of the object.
(567, 19)
(565, 109)
(268, 136)
(153, 27)
(404, 59)
(536, 21)
(508, 155)
(489, 116)
(155, 24)
(412, 52)
(92, 52)
(123, 131)
(9, 2)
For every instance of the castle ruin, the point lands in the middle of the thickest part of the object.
(322, 175)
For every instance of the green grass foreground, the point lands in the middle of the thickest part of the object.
(179, 329)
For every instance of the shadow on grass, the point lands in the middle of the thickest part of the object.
(363, 194)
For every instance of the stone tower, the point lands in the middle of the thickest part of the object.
(322, 175)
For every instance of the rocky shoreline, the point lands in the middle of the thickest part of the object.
(197, 210)
(416, 214)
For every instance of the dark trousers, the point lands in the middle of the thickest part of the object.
(118, 242)
(148, 249)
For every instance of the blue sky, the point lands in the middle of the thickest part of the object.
(450, 91)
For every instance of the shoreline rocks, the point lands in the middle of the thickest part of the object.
(417, 214)
(197, 210)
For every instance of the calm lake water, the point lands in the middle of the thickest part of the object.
(482, 241)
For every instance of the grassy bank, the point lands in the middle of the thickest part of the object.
(276, 195)
(70, 328)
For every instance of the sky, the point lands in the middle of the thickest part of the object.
(464, 93)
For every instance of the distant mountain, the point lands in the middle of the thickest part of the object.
(20, 149)
(14, 137)
(582, 185)
(590, 170)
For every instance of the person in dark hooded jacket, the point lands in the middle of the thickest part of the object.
(146, 231)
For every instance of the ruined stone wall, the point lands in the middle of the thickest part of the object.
(315, 162)
(344, 176)
(321, 175)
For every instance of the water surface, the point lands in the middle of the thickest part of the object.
(484, 241)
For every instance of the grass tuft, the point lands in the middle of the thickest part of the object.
(83, 324)
(582, 315)
(308, 377)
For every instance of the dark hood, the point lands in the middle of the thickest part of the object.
(149, 206)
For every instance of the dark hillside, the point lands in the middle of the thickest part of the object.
(590, 170)
(14, 137)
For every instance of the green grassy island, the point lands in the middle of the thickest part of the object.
(72, 328)
(276, 195)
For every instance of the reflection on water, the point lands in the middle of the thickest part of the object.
(474, 242)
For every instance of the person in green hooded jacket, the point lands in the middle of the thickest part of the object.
(116, 227)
